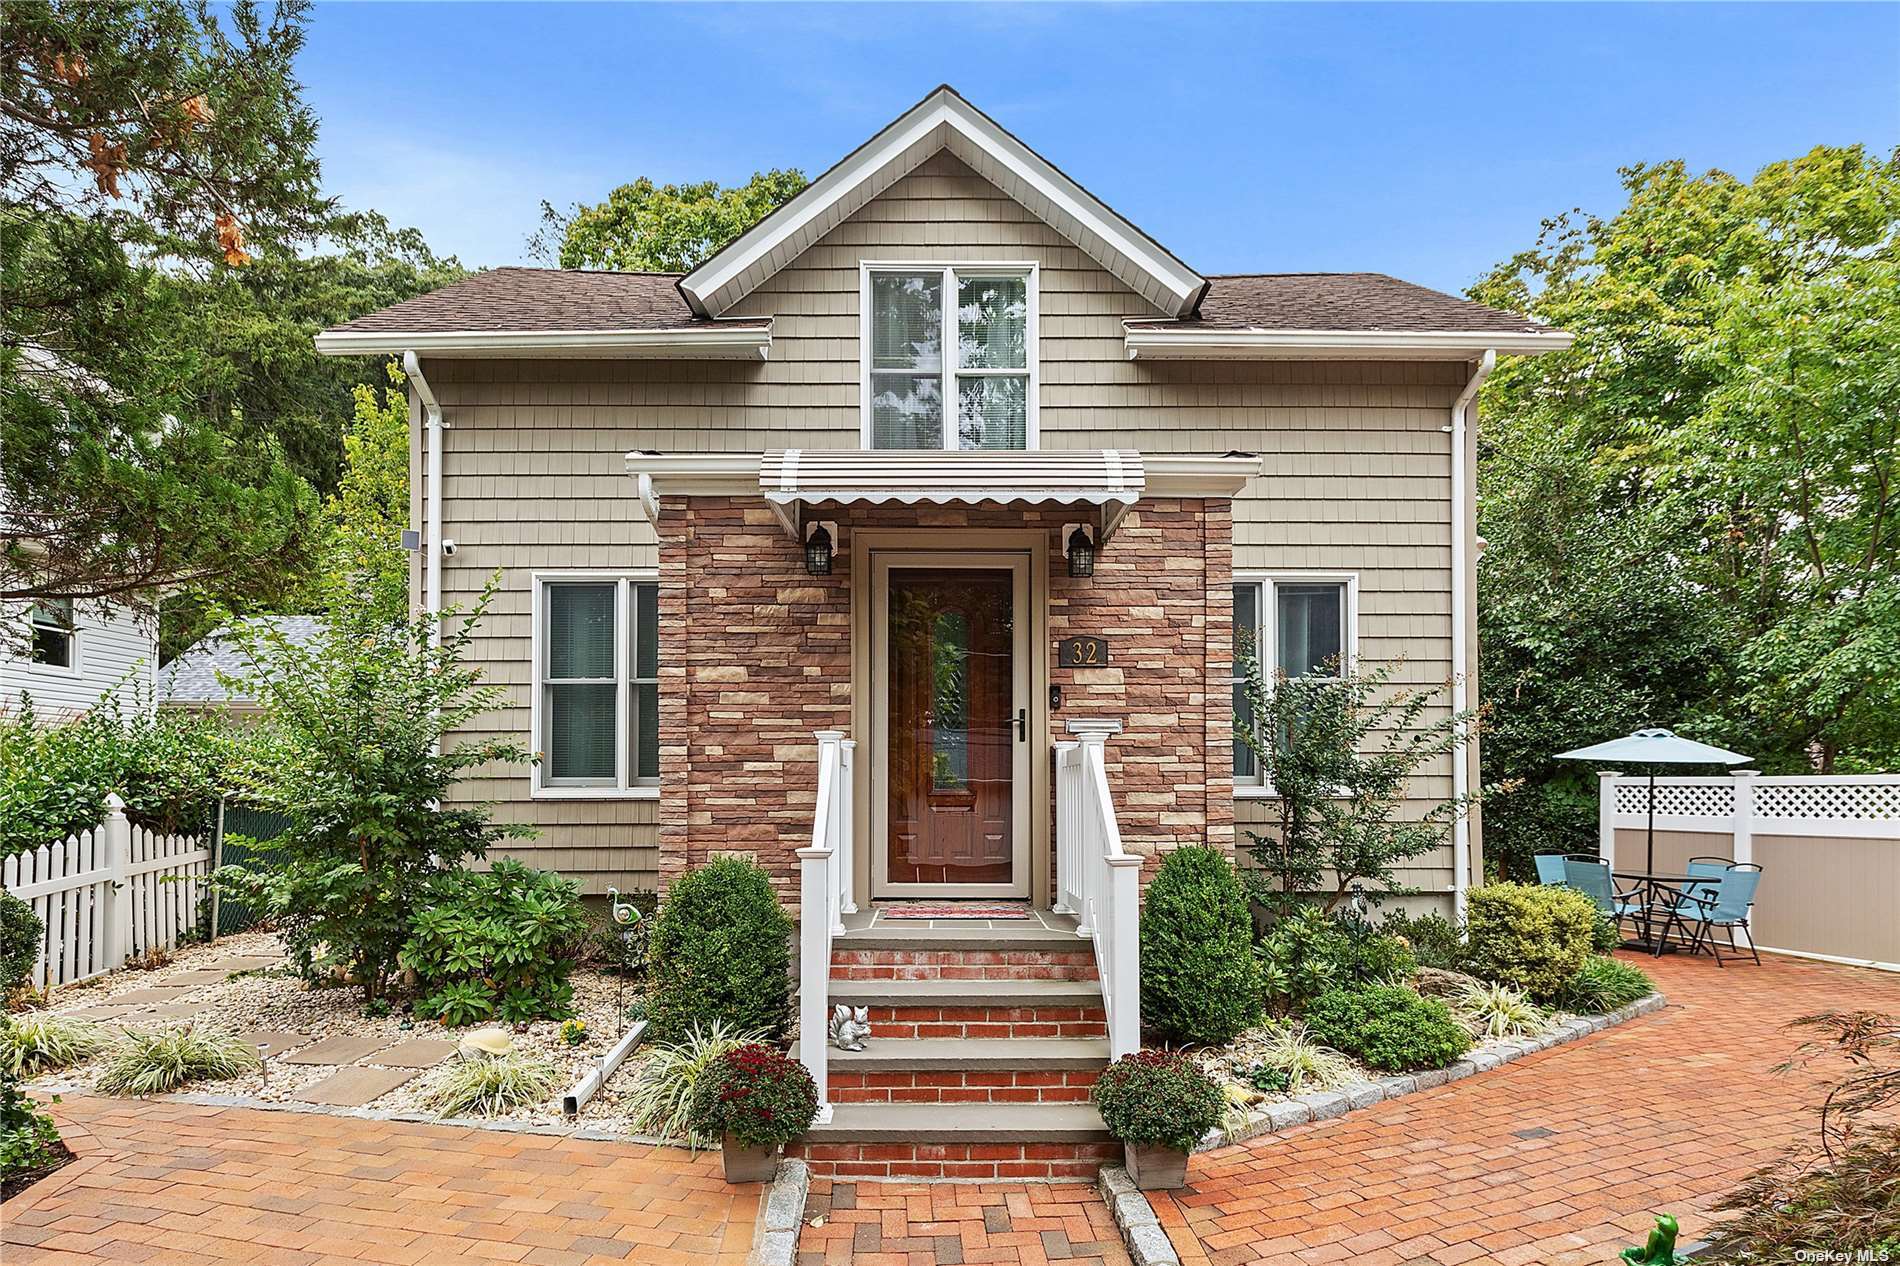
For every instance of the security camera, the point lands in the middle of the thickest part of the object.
(448, 547)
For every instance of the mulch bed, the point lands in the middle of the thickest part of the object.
(13, 1184)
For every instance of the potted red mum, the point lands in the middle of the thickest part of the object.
(754, 1100)
(1158, 1104)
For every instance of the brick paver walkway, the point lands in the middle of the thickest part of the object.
(169, 1182)
(917, 1224)
(1556, 1159)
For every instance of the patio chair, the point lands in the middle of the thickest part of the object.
(1591, 877)
(1550, 869)
(1724, 909)
(1705, 868)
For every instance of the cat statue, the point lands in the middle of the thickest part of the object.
(850, 1026)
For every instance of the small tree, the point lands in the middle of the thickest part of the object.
(353, 755)
(1341, 754)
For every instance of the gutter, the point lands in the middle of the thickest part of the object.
(1463, 510)
(1148, 343)
(714, 342)
(431, 492)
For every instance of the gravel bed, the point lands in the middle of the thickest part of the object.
(276, 999)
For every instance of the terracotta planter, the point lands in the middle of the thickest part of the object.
(748, 1164)
(1156, 1168)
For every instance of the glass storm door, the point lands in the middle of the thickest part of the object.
(950, 661)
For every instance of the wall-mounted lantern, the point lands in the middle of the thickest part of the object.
(818, 551)
(1081, 551)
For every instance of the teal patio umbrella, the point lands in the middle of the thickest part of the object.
(1655, 747)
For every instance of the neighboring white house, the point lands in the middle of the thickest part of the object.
(64, 655)
(196, 679)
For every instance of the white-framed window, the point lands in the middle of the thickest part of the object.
(54, 633)
(982, 393)
(1294, 624)
(596, 708)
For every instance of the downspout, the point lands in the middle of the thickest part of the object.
(431, 491)
(1462, 512)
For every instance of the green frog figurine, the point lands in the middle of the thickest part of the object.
(1661, 1249)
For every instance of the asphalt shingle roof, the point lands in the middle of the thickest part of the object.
(1339, 301)
(193, 676)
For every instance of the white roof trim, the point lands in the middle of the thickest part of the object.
(943, 120)
(752, 342)
(1262, 344)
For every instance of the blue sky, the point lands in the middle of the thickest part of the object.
(1423, 140)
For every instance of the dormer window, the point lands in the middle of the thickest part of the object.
(983, 394)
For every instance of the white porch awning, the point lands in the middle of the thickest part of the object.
(1112, 479)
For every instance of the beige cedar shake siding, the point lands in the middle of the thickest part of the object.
(1356, 477)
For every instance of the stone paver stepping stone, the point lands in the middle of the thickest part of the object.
(418, 1052)
(99, 1011)
(273, 1041)
(150, 993)
(192, 979)
(341, 1049)
(354, 1087)
(242, 962)
(171, 1011)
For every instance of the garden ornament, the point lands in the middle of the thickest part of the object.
(1661, 1249)
(849, 1027)
(486, 1042)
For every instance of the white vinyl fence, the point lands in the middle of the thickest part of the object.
(109, 894)
(1828, 846)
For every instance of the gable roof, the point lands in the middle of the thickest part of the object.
(944, 120)
(1338, 301)
(192, 678)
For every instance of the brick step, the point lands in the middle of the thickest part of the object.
(968, 1070)
(1070, 962)
(1001, 935)
(910, 1140)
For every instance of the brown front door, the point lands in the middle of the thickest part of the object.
(954, 731)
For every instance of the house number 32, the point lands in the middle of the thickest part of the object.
(1082, 652)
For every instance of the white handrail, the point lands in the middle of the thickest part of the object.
(824, 897)
(1101, 881)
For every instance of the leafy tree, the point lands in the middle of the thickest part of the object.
(643, 227)
(1343, 754)
(360, 550)
(1691, 511)
(353, 756)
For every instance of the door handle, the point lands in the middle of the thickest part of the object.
(1022, 725)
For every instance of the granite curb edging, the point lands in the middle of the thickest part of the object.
(783, 1216)
(1147, 1240)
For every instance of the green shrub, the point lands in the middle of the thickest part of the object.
(1435, 940)
(490, 1085)
(1388, 1027)
(21, 935)
(1199, 979)
(1602, 985)
(1309, 952)
(29, 1141)
(1605, 936)
(499, 944)
(157, 1060)
(660, 1099)
(755, 1094)
(1529, 936)
(1158, 1099)
(40, 1042)
(720, 952)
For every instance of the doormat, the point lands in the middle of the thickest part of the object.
(953, 910)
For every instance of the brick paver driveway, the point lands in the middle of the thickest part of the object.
(171, 1182)
(1555, 1159)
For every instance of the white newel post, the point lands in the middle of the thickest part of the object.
(1124, 877)
(116, 903)
(1744, 827)
(1606, 816)
(1067, 856)
(847, 859)
(814, 966)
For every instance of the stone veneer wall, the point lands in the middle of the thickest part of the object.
(756, 656)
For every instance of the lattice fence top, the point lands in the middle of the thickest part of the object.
(1848, 801)
(1676, 800)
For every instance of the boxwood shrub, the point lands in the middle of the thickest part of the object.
(20, 936)
(1158, 1099)
(720, 951)
(1200, 982)
(1529, 936)
(1388, 1027)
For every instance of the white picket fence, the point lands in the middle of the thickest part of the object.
(109, 894)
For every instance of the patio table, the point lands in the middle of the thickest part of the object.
(1659, 894)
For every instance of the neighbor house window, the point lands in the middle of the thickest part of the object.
(55, 639)
(597, 683)
(1292, 627)
(981, 393)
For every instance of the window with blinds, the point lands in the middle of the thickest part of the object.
(598, 683)
(1292, 627)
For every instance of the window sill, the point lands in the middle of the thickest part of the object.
(1254, 791)
(595, 793)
